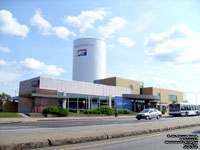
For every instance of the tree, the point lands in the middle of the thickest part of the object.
(174, 101)
(4, 97)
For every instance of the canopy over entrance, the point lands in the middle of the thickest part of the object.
(141, 97)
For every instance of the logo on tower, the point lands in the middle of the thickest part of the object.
(82, 52)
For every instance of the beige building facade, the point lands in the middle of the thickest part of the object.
(166, 96)
(144, 96)
(134, 86)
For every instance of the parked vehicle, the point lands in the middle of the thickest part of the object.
(149, 114)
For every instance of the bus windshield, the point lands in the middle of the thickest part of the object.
(174, 107)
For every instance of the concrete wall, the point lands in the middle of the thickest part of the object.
(163, 94)
(82, 87)
(10, 106)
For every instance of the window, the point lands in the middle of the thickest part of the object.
(131, 87)
(158, 95)
(141, 87)
(183, 107)
(60, 93)
(172, 98)
(60, 102)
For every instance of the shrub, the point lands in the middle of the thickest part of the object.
(96, 112)
(120, 111)
(105, 110)
(86, 112)
(90, 112)
(124, 111)
(56, 110)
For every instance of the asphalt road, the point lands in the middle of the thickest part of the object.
(142, 142)
(42, 130)
(83, 123)
(71, 123)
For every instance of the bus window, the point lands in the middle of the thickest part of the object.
(182, 107)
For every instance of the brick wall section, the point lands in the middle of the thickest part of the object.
(44, 91)
(10, 106)
(41, 103)
(108, 81)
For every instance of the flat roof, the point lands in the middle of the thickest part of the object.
(140, 97)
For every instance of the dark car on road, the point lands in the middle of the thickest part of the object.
(149, 114)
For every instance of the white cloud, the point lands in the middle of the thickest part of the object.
(47, 29)
(124, 41)
(8, 76)
(115, 24)
(40, 68)
(178, 46)
(2, 63)
(166, 84)
(38, 21)
(10, 25)
(86, 19)
(62, 32)
(4, 49)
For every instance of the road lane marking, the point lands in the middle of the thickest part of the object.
(106, 142)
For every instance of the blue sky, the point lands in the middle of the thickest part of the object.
(157, 42)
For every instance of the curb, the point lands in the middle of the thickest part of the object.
(10, 122)
(103, 136)
(30, 121)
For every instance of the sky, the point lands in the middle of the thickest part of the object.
(157, 42)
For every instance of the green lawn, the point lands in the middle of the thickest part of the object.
(9, 115)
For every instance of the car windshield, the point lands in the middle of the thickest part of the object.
(145, 111)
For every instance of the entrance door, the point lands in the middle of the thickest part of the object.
(140, 105)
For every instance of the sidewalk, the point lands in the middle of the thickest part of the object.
(73, 135)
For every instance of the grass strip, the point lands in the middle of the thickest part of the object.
(9, 115)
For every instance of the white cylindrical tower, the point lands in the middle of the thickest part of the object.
(89, 59)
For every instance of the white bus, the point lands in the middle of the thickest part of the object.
(184, 109)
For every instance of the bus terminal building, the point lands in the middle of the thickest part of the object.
(38, 93)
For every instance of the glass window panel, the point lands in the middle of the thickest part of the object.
(94, 102)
